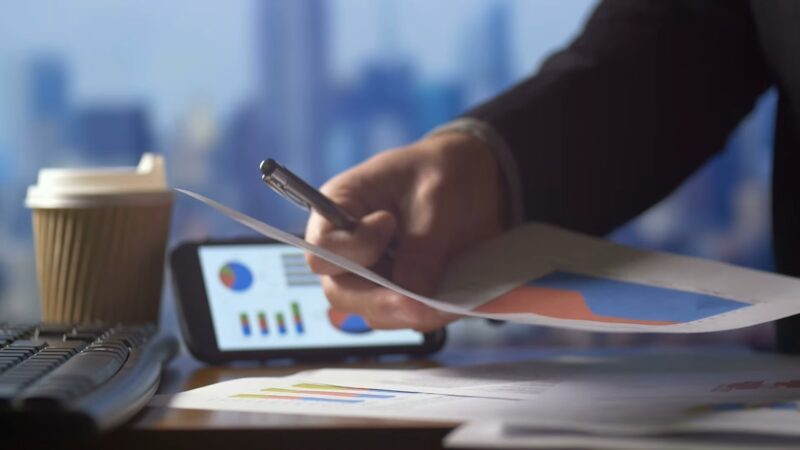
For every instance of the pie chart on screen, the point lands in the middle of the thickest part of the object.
(236, 276)
(348, 322)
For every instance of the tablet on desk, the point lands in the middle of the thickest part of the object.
(257, 299)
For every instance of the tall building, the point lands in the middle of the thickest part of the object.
(112, 134)
(287, 115)
(386, 108)
(383, 108)
(48, 89)
(293, 79)
(46, 123)
(47, 105)
(487, 54)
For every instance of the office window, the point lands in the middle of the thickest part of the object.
(318, 85)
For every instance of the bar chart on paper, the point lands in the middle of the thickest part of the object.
(566, 295)
(295, 395)
(307, 392)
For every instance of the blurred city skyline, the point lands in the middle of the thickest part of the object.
(286, 93)
(182, 52)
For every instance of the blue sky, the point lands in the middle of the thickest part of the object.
(173, 53)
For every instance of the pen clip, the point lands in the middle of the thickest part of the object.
(280, 188)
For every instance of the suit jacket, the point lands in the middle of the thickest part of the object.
(642, 98)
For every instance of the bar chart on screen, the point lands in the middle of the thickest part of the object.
(280, 326)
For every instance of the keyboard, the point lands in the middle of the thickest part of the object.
(77, 379)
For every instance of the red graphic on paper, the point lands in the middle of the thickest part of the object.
(556, 303)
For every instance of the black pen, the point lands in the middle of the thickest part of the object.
(294, 189)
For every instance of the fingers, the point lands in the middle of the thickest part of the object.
(355, 192)
(419, 262)
(365, 245)
(381, 308)
(395, 196)
(423, 248)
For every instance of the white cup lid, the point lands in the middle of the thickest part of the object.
(57, 188)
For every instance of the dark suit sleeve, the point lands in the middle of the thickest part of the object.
(644, 96)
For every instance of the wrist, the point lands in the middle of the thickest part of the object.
(481, 135)
(481, 179)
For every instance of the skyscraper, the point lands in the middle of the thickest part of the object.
(487, 54)
(47, 107)
(287, 116)
(112, 134)
(48, 89)
(46, 123)
(293, 81)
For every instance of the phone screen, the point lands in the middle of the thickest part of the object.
(263, 296)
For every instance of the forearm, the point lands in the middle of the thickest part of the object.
(616, 121)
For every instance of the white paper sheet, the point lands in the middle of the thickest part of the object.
(293, 395)
(749, 401)
(755, 395)
(544, 275)
(515, 381)
(492, 434)
(746, 425)
(657, 403)
(558, 378)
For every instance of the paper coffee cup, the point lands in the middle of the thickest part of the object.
(100, 237)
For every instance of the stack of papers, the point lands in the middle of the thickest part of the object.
(655, 401)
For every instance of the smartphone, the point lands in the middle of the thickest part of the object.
(250, 299)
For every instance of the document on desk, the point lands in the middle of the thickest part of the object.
(754, 424)
(494, 434)
(526, 380)
(678, 374)
(293, 395)
(638, 403)
(545, 275)
(632, 406)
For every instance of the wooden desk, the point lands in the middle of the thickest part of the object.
(157, 428)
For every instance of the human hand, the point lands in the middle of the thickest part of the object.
(433, 199)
